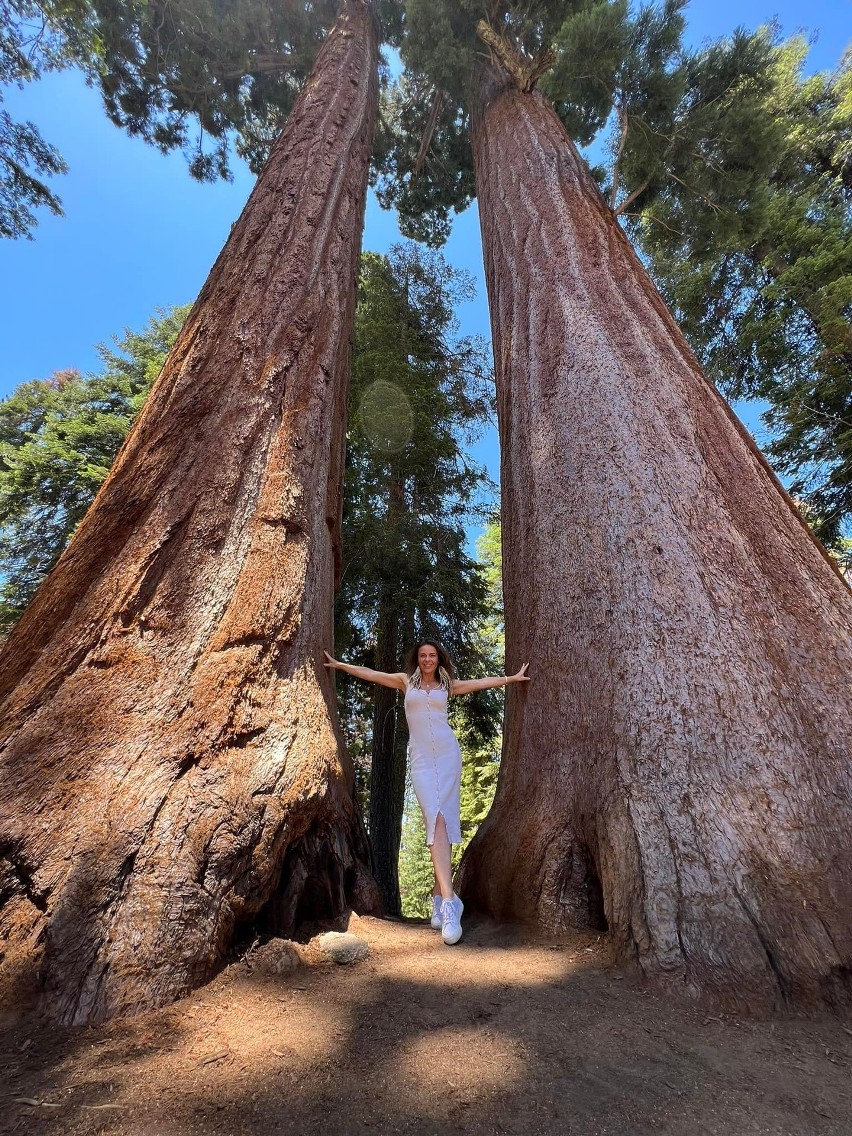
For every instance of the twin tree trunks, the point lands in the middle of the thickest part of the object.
(171, 762)
(679, 769)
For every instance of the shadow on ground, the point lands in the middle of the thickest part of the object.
(499, 1034)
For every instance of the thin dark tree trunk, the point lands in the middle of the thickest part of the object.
(387, 770)
(387, 780)
(171, 762)
(679, 767)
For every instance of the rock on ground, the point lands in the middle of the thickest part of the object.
(278, 956)
(343, 946)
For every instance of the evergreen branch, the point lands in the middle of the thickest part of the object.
(261, 64)
(812, 410)
(775, 268)
(651, 217)
(714, 205)
(37, 192)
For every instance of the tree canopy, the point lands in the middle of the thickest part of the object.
(29, 45)
(764, 292)
(617, 75)
(195, 75)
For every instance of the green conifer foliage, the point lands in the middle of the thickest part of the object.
(199, 75)
(419, 395)
(58, 439)
(28, 47)
(766, 296)
(614, 73)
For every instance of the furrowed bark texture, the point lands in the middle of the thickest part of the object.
(680, 763)
(171, 767)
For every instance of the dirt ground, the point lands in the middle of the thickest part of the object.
(498, 1034)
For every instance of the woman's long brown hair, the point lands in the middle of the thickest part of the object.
(444, 660)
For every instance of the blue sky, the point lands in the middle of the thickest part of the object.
(140, 234)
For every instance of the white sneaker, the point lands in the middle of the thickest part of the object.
(436, 912)
(451, 913)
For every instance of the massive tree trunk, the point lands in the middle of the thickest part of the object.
(171, 763)
(679, 767)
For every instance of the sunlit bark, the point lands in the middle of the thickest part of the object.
(679, 767)
(171, 767)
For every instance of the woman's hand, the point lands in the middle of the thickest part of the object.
(331, 663)
(522, 675)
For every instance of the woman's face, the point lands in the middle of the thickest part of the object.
(427, 659)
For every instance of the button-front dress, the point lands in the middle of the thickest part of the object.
(436, 762)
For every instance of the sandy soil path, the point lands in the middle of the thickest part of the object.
(499, 1034)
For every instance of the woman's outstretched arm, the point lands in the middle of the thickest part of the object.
(465, 686)
(382, 678)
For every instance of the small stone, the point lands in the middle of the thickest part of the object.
(343, 946)
(278, 956)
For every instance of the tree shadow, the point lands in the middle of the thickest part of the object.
(502, 1033)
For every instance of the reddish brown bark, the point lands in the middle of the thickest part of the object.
(171, 765)
(680, 763)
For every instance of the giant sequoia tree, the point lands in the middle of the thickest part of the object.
(171, 765)
(679, 769)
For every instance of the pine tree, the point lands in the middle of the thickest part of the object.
(58, 440)
(765, 298)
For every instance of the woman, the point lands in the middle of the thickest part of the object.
(428, 682)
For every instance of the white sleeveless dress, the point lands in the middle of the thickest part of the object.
(436, 762)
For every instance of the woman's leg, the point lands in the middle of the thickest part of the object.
(440, 851)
